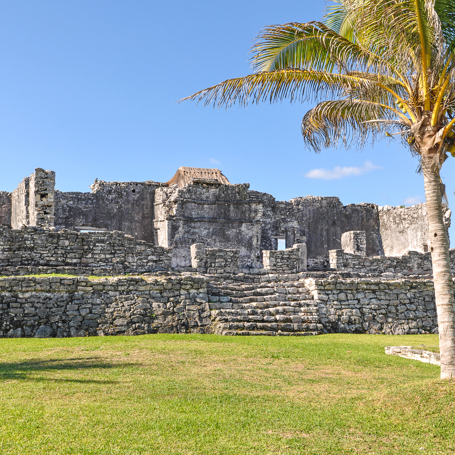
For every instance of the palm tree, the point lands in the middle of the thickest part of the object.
(375, 68)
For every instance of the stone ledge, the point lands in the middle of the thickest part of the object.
(414, 354)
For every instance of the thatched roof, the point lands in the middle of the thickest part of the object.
(188, 175)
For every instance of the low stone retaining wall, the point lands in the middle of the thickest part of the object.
(412, 263)
(214, 260)
(231, 304)
(392, 307)
(114, 251)
(414, 354)
(290, 260)
(62, 307)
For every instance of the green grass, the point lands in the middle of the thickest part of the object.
(196, 394)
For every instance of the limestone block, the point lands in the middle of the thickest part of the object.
(354, 242)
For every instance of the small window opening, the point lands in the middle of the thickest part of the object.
(133, 190)
(281, 244)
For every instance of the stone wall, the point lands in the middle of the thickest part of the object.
(403, 229)
(218, 216)
(115, 206)
(41, 198)
(62, 307)
(411, 263)
(32, 202)
(20, 205)
(391, 307)
(290, 260)
(5, 208)
(105, 250)
(240, 304)
(322, 221)
(214, 260)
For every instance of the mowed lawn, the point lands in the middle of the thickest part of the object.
(207, 394)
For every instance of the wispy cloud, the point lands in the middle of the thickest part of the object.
(340, 172)
(214, 161)
(413, 200)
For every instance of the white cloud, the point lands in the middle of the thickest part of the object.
(413, 200)
(339, 172)
(214, 161)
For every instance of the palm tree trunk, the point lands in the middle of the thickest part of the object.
(442, 277)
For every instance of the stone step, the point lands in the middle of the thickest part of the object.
(271, 298)
(259, 315)
(221, 328)
(266, 305)
(303, 319)
(257, 333)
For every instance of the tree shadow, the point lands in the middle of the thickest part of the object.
(26, 370)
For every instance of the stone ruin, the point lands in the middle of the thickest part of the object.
(206, 256)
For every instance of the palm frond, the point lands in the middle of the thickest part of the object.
(351, 122)
(313, 46)
(273, 86)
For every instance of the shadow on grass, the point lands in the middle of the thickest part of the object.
(26, 370)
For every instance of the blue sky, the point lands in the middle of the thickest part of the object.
(89, 89)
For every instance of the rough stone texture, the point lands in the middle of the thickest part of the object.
(414, 354)
(412, 263)
(405, 228)
(20, 205)
(112, 251)
(263, 304)
(354, 242)
(32, 202)
(41, 198)
(214, 260)
(203, 210)
(5, 208)
(229, 304)
(115, 206)
(63, 307)
(290, 260)
(322, 221)
(392, 307)
(218, 216)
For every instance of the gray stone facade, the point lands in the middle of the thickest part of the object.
(229, 304)
(411, 263)
(203, 207)
(96, 253)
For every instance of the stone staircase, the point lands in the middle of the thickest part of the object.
(263, 305)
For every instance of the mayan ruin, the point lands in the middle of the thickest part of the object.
(200, 254)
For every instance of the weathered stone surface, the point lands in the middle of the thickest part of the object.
(354, 242)
(414, 354)
(218, 215)
(404, 229)
(90, 252)
(63, 307)
(214, 260)
(290, 260)
(5, 208)
(229, 304)
(412, 263)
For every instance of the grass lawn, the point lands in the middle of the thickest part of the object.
(207, 394)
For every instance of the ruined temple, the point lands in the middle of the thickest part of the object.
(199, 254)
(202, 206)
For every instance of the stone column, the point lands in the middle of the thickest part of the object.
(354, 242)
(198, 256)
(41, 201)
(303, 262)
